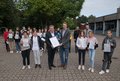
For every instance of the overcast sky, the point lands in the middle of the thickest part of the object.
(100, 7)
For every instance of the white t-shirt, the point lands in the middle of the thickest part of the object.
(39, 34)
(16, 36)
(35, 43)
(81, 42)
(44, 34)
(25, 42)
(52, 34)
(30, 35)
(10, 35)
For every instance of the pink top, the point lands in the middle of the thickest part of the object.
(92, 41)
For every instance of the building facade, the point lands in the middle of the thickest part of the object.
(109, 22)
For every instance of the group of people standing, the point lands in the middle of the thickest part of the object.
(85, 41)
(35, 40)
(64, 40)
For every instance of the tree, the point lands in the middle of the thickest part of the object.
(83, 19)
(44, 12)
(71, 23)
(8, 14)
(91, 17)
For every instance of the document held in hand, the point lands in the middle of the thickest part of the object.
(54, 41)
(107, 48)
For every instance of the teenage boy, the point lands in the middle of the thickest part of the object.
(108, 46)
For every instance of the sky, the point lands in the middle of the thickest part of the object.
(99, 7)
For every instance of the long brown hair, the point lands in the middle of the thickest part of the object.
(83, 34)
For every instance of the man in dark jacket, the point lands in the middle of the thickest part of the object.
(111, 45)
(64, 48)
(51, 51)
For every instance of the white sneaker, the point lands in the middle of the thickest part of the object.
(23, 67)
(89, 69)
(92, 70)
(79, 67)
(83, 67)
(29, 67)
(17, 51)
(101, 72)
(11, 51)
(107, 70)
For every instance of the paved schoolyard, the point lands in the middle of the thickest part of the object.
(11, 64)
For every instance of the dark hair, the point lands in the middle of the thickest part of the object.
(35, 31)
(109, 31)
(25, 32)
(80, 34)
(6, 29)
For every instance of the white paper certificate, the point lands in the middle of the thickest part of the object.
(107, 48)
(54, 41)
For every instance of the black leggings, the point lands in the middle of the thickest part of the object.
(7, 46)
(26, 55)
(81, 54)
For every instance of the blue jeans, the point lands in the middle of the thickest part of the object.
(92, 56)
(64, 52)
(18, 46)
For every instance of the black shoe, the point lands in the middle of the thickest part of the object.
(65, 66)
(53, 66)
(39, 66)
(61, 65)
(36, 65)
(50, 68)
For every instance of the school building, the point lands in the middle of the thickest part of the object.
(108, 22)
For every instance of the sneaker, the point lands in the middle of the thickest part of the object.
(92, 70)
(11, 51)
(23, 67)
(101, 72)
(53, 66)
(17, 51)
(29, 67)
(40, 66)
(36, 65)
(79, 67)
(107, 70)
(83, 67)
(89, 69)
(65, 67)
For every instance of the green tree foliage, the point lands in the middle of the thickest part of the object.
(71, 23)
(91, 17)
(38, 13)
(83, 19)
(8, 14)
(45, 12)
